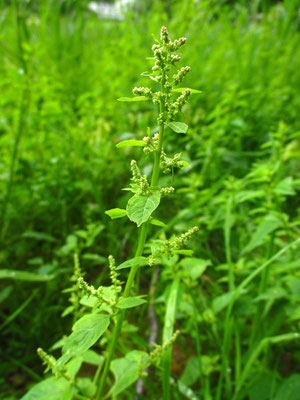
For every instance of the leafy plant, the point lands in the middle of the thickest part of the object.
(109, 303)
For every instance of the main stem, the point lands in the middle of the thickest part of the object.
(139, 252)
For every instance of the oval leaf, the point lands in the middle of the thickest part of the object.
(131, 143)
(24, 276)
(178, 127)
(269, 225)
(86, 332)
(140, 98)
(92, 321)
(133, 262)
(50, 389)
(93, 358)
(127, 370)
(129, 302)
(182, 89)
(115, 213)
(157, 222)
(184, 252)
(140, 207)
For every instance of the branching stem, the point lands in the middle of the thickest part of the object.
(139, 252)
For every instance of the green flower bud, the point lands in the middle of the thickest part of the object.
(142, 91)
(164, 35)
(181, 74)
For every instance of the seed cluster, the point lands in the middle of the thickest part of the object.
(165, 60)
(167, 164)
(114, 275)
(99, 293)
(50, 363)
(158, 352)
(140, 184)
(89, 290)
(168, 246)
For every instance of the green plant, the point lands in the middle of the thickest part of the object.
(241, 188)
(109, 303)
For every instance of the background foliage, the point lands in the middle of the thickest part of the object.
(62, 70)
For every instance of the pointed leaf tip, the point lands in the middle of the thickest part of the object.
(178, 127)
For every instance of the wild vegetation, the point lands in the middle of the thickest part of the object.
(216, 319)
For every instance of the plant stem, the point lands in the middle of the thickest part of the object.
(23, 110)
(227, 234)
(139, 252)
(257, 330)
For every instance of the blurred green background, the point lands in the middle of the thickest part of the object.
(62, 69)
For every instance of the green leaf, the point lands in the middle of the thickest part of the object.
(195, 266)
(50, 389)
(67, 311)
(131, 143)
(126, 370)
(94, 257)
(182, 89)
(74, 366)
(39, 236)
(24, 276)
(133, 262)
(115, 213)
(268, 225)
(5, 292)
(58, 344)
(93, 358)
(88, 301)
(191, 372)
(262, 386)
(157, 222)
(129, 302)
(185, 164)
(86, 332)
(140, 207)
(168, 329)
(285, 187)
(170, 314)
(289, 389)
(87, 387)
(222, 301)
(184, 252)
(92, 321)
(178, 127)
(140, 98)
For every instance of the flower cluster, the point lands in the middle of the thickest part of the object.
(176, 107)
(77, 270)
(168, 246)
(158, 352)
(151, 143)
(181, 74)
(165, 59)
(140, 184)
(50, 363)
(114, 275)
(74, 290)
(167, 191)
(181, 240)
(47, 359)
(142, 91)
(89, 290)
(167, 163)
